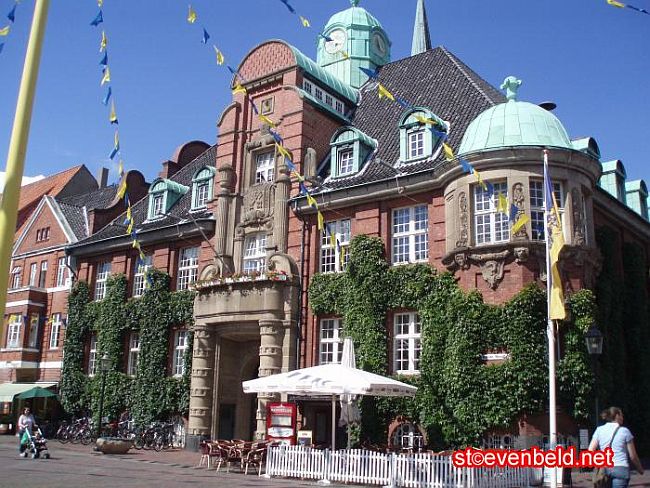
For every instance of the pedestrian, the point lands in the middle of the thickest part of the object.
(25, 422)
(620, 439)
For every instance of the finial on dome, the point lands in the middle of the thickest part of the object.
(355, 2)
(511, 84)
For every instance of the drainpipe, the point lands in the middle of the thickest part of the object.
(300, 284)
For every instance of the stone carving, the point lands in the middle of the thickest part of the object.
(258, 205)
(492, 266)
(519, 199)
(463, 219)
(521, 254)
(577, 203)
(461, 261)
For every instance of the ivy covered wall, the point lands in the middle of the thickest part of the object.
(151, 394)
(459, 397)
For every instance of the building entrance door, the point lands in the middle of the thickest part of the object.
(226, 421)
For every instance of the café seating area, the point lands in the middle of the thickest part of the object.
(241, 454)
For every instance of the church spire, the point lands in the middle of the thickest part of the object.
(421, 37)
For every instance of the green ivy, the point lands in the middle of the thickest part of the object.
(459, 398)
(151, 394)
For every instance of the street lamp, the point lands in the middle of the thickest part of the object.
(104, 366)
(594, 342)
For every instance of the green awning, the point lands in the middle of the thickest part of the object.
(9, 390)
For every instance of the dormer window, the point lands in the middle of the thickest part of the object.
(265, 168)
(350, 149)
(202, 187)
(163, 194)
(416, 140)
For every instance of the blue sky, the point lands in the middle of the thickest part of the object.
(588, 57)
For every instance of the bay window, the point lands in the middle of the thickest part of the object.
(490, 226)
(255, 253)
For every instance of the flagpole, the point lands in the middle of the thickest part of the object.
(550, 327)
(18, 147)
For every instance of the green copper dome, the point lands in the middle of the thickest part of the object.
(514, 124)
(357, 16)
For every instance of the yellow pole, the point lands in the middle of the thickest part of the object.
(18, 148)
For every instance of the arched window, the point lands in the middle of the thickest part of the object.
(417, 141)
(163, 194)
(350, 149)
(202, 184)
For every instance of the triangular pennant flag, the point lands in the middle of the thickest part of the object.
(265, 120)
(220, 58)
(120, 168)
(302, 188)
(345, 55)
(383, 92)
(514, 210)
(321, 221)
(523, 220)
(332, 235)
(121, 189)
(130, 227)
(305, 22)
(372, 74)
(614, 3)
(343, 253)
(327, 38)
(191, 15)
(103, 43)
(5, 31)
(100, 3)
(291, 9)
(490, 189)
(292, 167)
(467, 168)
(282, 150)
(116, 147)
(2, 46)
(311, 201)
(109, 92)
(276, 137)
(403, 103)
(12, 14)
(107, 76)
(502, 203)
(104, 60)
(449, 152)
(297, 175)
(480, 181)
(97, 20)
(238, 89)
(113, 116)
(206, 36)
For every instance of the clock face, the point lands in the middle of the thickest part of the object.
(379, 44)
(337, 43)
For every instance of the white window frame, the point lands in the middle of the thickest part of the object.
(42, 277)
(61, 277)
(101, 277)
(33, 273)
(134, 353)
(16, 277)
(307, 86)
(490, 226)
(202, 193)
(407, 344)
(188, 267)
(330, 347)
(14, 330)
(32, 340)
(410, 237)
(55, 330)
(254, 253)
(265, 167)
(330, 256)
(139, 275)
(345, 161)
(181, 338)
(157, 205)
(92, 355)
(537, 218)
(415, 141)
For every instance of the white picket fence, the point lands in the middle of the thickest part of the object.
(403, 470)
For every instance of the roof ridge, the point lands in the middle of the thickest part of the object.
(458, 65)
(71, 169)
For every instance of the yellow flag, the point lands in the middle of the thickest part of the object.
(502, 203)
(321, 221)
(332, 236)
(345, 55)
(521, 221)
(103, 43)
(100, 3)
(282, 150)
(614, 3)
(305, 21)
(136, 244)
(311, 201)
(120, 168)
(113, 116)
(480, 180)
(121, 190)
(449, 152)
(107, 76)
(191, 15)
(129, 228)
(265, 120)
(297, 175)
(220, 58)
(5, 31)
(238, 89)
(383, 92)
(343, 251)
(129, 216)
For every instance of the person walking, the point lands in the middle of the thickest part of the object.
(620, 439)
(25, 422)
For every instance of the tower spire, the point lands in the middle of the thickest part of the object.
(421, 37)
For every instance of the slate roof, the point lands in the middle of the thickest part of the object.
(72, 207)
(178, 212)
(435, 79)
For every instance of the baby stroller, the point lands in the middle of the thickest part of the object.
(35, 444)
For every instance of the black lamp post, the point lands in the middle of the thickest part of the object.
(104, 366)
(594, 341)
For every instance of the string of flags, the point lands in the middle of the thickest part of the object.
(122, 190)
(4, 31)
(616, 4)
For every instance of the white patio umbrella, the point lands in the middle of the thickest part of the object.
(329, 379)
(349, 407)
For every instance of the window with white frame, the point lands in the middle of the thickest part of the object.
(180, 346)
(60, 272)
(331, 341)
(255, 252)
(407, 343)
(188, 267)
(307, 86)
(265, 168)
(42, 279)
(55, 330)
(92, 355)
(139, 276)
(32, 340)
(319, 94)
(16, 277)
(13, 331)
(537, 207)
(334, 248)
(33, 271)
(202, 188)
(103, 272)
(134, 352)
(490, 226)
(158, 205)
(410, 235)
(345, 161)
(202, 194)
(416, 143)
